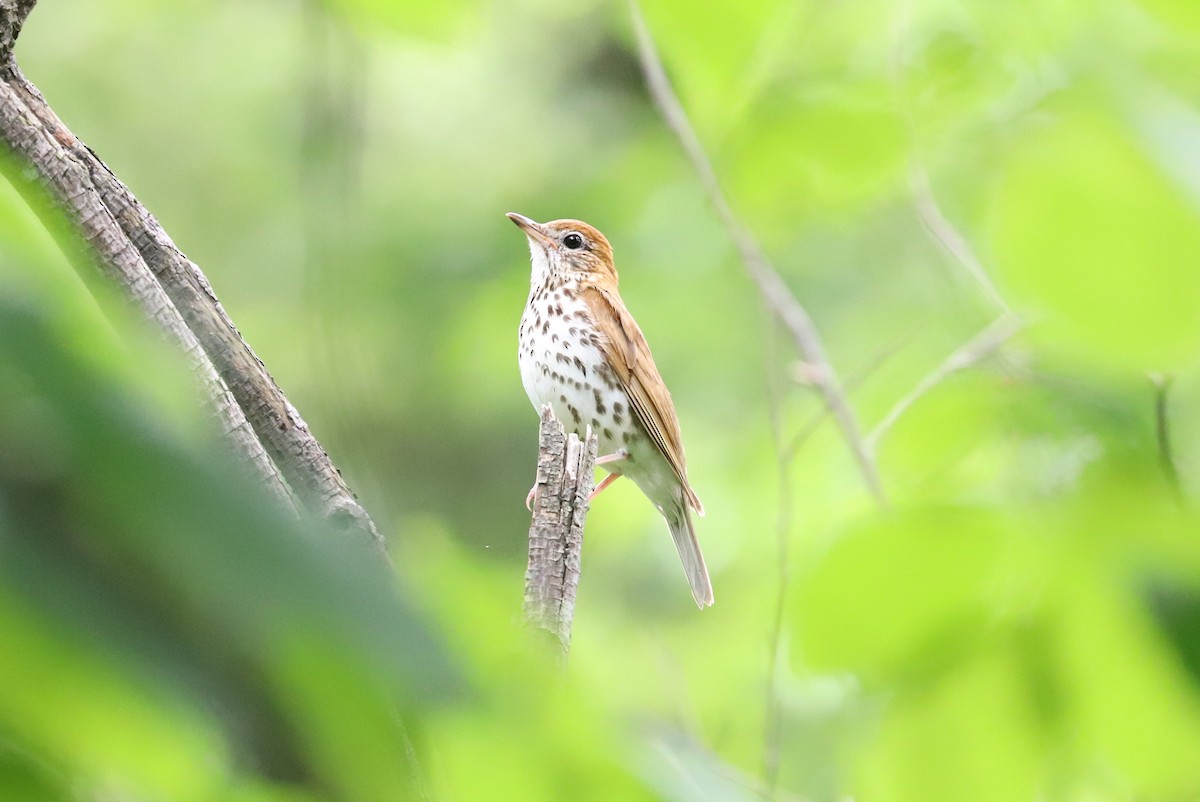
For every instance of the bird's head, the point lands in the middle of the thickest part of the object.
(567, 249)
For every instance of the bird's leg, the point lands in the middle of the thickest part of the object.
(608, 480)
(616, 456)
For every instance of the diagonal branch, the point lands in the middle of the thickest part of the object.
(97, 241)
(930, 213)
(12, 17)
(126, 242)
(936, 223)
(969, 353)
(775, 293)
(815, 420)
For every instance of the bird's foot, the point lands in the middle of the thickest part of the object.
(608, 480)
(531, 497)
(616, 456)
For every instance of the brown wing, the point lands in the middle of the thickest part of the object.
(629, 356)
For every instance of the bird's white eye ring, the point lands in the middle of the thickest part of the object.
(573, 241)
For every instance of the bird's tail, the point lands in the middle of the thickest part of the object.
(684, 534)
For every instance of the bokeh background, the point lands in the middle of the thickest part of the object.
(1022, 620)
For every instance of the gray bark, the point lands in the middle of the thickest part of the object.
(112, 231)
(564, 482)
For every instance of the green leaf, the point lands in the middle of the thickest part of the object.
(1177, 16)
(904, 593)
(437, 21)
(832, 147)
(79, 712)
(143, 583)
(1090, 231)
(1122, 681)
(710, 51)
(976, 735)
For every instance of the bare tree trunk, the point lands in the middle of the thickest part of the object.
(564, 482)
(111, 230)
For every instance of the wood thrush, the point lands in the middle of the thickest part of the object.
(583, 353)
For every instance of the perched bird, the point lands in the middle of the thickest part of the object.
(582, 353)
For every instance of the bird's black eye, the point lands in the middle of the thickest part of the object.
(573, 241)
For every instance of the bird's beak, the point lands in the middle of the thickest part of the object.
(532, 228)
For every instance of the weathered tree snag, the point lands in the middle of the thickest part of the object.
(119, 236)
(564, 482)
(102, 245)
(12, 17)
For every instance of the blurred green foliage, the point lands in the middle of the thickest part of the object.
(1022, 623)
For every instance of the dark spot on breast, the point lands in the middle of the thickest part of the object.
(618, 407)
(554, 339)
(608, 435)
(618, 418)
(582, 369)
(546, 327)
(556, 310)
(626, 437)
(572, 331)
(574, 413)
(599, 401)
(562, 398)
(562, 358)
(595, 423)
(605, 372)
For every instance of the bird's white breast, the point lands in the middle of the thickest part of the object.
(562, 364)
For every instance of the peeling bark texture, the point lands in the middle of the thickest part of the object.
(564, 482)
(114, 232)
(12, 17)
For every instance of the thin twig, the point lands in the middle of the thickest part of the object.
(984, 343)
(564, 481)
(1162, 432)
(775, 293)
(930, 214)
(852, 383)
(772, 705)
(972, 351)
(928, 210)
(785, 454)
